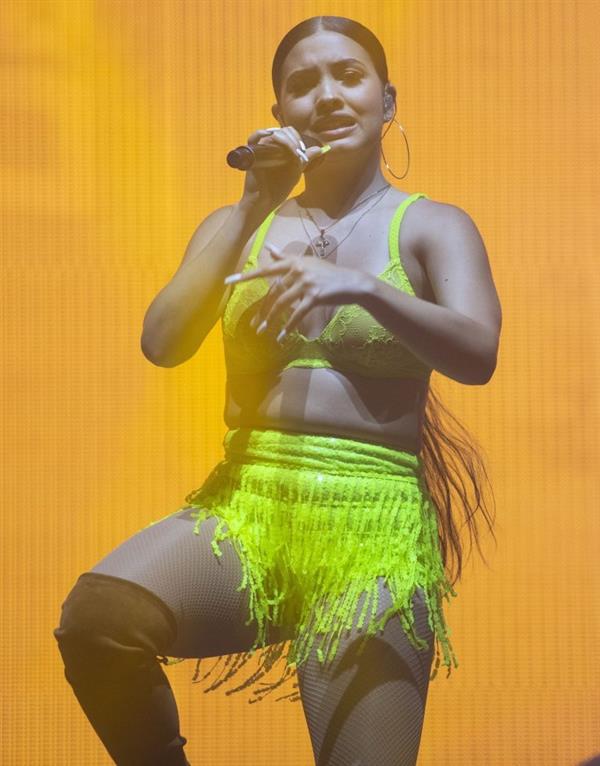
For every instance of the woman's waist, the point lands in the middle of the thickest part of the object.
(326, 402)
(318, 453)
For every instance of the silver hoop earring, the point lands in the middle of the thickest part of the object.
(407, 147)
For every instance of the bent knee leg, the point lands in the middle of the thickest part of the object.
(199, 589)
(112, 622)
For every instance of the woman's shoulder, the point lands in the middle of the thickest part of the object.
(424, 204)
(430, 217)
(426, 220)
(423, 208)
(436, 212)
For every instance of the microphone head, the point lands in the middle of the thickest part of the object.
(240, 158)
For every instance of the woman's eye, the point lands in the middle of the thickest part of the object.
(298, 87)
(301, 86)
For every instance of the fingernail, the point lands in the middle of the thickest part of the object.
(262, 327)
(281, 335)
(325, 149)
(272, 249)
(232, 278)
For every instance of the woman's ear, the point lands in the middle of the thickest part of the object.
(389, 101)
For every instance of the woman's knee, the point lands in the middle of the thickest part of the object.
(105, 616)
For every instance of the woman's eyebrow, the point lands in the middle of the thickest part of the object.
(341, 62)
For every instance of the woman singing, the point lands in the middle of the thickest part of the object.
(325, 528)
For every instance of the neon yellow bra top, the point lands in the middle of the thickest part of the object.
(352, 341)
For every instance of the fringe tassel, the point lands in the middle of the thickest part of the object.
(311, 543)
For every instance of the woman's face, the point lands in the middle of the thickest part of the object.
(330, 90)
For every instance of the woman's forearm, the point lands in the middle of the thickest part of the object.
(185, 310)
(447, 341)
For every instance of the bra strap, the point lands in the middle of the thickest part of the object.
(394, 232)
(258, 241)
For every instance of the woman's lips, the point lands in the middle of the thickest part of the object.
(340, 130)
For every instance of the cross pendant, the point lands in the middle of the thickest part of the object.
(321, 244)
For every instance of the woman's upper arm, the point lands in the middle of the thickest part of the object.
(458, 267)
(205, 231)
(201, 237)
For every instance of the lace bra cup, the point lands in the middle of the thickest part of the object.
(352, 341)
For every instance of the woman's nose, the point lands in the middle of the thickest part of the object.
(327, 92)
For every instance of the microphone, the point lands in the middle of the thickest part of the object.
(265, 155)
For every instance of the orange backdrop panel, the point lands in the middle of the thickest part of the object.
(116, 118)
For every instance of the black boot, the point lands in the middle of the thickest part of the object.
(110, 634)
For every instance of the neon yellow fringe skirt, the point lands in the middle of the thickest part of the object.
(315, 521)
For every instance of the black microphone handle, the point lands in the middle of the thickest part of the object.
(264, 156)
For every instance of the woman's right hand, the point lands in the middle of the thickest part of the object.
(267, 187)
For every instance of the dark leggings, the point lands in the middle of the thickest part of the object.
(164, 592)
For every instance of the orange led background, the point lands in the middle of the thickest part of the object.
(116, 117)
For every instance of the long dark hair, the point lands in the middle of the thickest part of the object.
(443, 457)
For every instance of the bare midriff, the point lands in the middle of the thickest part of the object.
(325, 401)
(386, 411)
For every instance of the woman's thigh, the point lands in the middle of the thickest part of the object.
(368, 710)
(181, 568)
